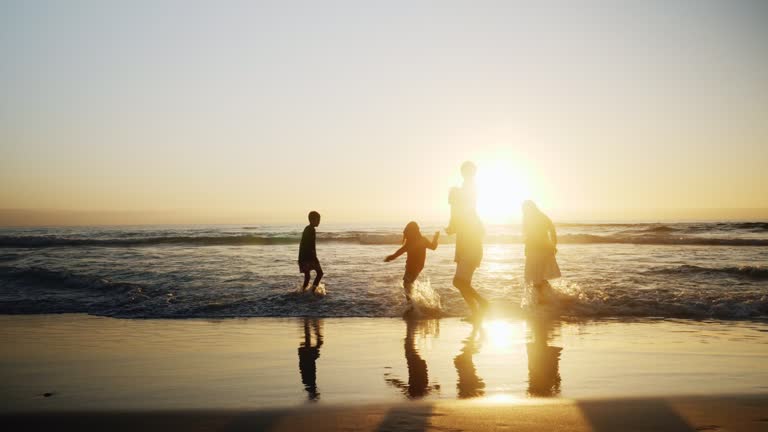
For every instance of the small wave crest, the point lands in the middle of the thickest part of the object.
(750, 272)
(748, 226)
(656, 238)
(660, 229)
(53, 279)
(233, 240)
(659, 240)
(35, 290)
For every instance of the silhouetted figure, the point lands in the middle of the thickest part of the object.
(468, 384)
(308, 356)
(307, 253)
(469, 239)
(540, 249)
(418, 378)
(415, 245)
(543, 360)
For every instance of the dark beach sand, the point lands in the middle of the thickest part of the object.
(724, 413)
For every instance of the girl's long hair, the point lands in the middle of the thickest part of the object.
(530, 213)
(411, 232)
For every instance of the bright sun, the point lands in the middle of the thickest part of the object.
(501, 189)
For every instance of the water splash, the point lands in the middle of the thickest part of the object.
(320, 291)
(425, 301)
(554, 297)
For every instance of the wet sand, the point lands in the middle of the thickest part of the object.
(61, 363)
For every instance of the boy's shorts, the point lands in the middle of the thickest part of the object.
(306, 266)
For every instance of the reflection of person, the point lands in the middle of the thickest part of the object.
(469, 239)
(308, 356)
(415, 245)
(543, 361)
(307, 253)
(540, 249)
(468, 384)
(418, 378)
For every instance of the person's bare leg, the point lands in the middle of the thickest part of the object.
(539, 290)
(482, 303)
(318, 276)
(306, 282)
(408, 288)
(546, 290)
(465, 289)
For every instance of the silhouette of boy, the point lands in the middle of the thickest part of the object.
(308, 255)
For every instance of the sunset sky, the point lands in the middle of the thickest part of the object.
(256, 111)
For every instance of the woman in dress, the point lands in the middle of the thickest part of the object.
(540, 249)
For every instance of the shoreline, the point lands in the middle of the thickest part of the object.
(504, 311)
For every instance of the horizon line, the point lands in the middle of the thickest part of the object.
(42, 218)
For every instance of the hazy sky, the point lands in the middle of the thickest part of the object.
(255, 111)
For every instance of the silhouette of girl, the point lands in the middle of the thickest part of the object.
(415, 245)
(540, 249)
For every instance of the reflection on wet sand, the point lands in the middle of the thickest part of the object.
(418, 378)
(468, 384)
(308, 355)
(543, 360)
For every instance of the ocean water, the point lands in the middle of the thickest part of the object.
(680, 270)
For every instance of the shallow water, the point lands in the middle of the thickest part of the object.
(92, 363)
(616, 270)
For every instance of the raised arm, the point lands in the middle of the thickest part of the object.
(433, 244)
(396, 254)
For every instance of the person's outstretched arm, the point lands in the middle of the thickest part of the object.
(433, 244)
(396, 254)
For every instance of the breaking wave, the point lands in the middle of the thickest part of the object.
(749, 272)
(659, 240)
(355, 238)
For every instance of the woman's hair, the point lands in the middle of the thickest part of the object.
(411, 232)
(529, 208)
(530, 212)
